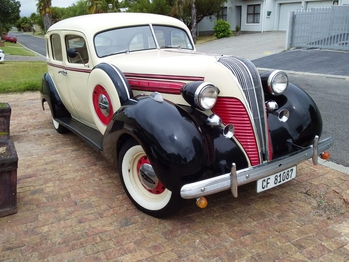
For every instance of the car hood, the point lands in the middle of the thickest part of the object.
(164, 62)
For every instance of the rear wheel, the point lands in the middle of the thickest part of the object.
(59, 128)
(142, 185)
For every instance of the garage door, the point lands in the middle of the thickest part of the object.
(319, 4)
(284, 13)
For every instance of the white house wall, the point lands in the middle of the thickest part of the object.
(278, 19)
(283, 10)
(314, 4)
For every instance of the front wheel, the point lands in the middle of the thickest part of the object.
(142, 185)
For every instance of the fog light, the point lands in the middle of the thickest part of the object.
(325, 155)
(228, 131)
(201, 202)
(283, 115)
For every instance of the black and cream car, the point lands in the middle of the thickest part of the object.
(177, 124)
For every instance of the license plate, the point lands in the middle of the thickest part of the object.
(276, 179)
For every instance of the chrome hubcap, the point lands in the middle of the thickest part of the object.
(148, 178)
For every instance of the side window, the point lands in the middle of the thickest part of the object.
(77, 42)
(56, 47)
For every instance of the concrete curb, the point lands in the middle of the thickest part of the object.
(307, 73)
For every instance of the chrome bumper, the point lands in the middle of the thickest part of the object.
(244, 176)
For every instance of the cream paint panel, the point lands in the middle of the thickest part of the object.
(183, 63)
(225, 81)
(79, 93)
(63, 92)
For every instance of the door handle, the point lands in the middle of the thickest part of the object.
(63, 72)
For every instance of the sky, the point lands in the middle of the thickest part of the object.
(29, 6)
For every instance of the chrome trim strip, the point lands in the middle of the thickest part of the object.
(244, 176)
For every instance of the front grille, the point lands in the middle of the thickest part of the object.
(250, 83)
(232, 111)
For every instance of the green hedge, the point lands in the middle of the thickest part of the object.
(222, 29)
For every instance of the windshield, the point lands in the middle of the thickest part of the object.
(138, 38)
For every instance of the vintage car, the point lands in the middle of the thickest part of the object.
(177, 124)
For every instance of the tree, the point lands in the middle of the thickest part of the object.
(101, 6)
(183, 9)
(9, 14)
(78, 8)
(139, 6)
(191, 12)
(24, 24)
(44, 9)
(193, 20)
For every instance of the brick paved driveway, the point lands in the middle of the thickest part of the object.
(71, 207)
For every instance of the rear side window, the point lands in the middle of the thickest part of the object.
(56, 47)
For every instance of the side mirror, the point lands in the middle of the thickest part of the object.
(72, 52)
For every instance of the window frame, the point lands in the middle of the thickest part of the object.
(55, 51)
(256, 15)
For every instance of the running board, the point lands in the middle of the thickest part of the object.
(92, 136)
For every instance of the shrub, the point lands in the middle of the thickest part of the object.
(222, 29)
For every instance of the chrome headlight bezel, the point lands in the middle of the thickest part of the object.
(277, 82)
(202, 95)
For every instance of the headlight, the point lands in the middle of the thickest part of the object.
(202, 95)
(277, 82)
(274, 82)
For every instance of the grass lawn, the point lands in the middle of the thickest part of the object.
(21, 76)
(16, 49)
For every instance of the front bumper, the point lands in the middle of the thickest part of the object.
(244, 176)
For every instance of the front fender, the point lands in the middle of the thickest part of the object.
(303, 125)
(171, 140)
(50, 95)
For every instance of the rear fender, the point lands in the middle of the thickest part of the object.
(50, 95)
(108, 84)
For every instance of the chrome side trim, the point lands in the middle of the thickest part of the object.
(244, 176)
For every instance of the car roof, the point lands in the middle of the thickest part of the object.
(99, 22)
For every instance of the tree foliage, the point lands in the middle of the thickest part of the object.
(183, 10)
(101, 6)
(162, 7)
(9, 14)
(24, 24)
